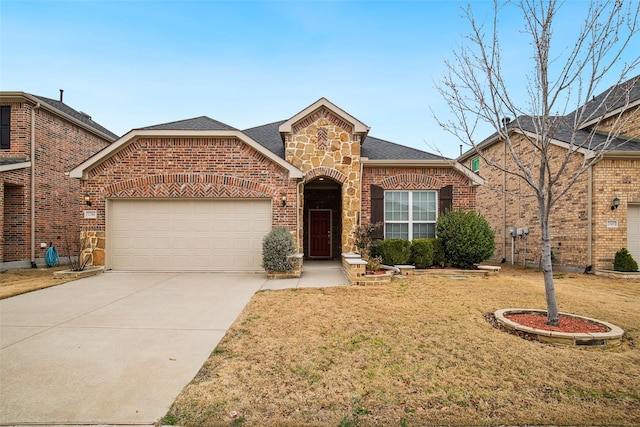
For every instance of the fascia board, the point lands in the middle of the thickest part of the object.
(20, 96)
(358, 126)
(15, 166)
(81, 170)
(619, 110)
(630, 155)
(474, 151)
(473, 177)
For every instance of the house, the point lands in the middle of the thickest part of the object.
(598, 216)
(41, 140)
(198, 194)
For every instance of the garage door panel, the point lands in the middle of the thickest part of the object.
(180, 234)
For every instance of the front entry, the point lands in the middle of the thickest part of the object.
(320, 233)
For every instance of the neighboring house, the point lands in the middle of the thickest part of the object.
(198, 194)
(41, 140)
(601, 212)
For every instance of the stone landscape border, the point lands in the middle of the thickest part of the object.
(611, 338)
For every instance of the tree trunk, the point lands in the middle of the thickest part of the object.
(547, 270)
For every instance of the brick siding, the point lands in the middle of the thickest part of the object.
(416, 178)
(190, 168)
(60, 146)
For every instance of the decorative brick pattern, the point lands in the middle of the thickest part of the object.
(191, 168)
(413, 178)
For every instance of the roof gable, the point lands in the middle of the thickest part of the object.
(78, 115)
(357, 125)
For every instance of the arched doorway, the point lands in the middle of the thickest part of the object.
(323, 218)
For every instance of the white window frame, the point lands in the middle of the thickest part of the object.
(410, 221)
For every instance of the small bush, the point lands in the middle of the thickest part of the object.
(422, 252)
(624, 261)
(395, 251)
(427, 253)
(277, 246)
(467, 238)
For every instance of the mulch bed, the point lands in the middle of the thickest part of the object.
(566, 323)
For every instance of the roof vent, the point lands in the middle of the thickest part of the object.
(61, 94)
(85, 115)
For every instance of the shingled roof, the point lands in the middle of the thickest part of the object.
(196, 123)
(82, 117)
(615, 98)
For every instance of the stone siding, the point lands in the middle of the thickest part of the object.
(323, 144)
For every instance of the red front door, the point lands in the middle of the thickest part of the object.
(320, 233)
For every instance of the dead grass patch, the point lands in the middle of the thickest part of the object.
(418, 352)
(16, 282)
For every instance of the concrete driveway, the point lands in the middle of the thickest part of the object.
(118, 348)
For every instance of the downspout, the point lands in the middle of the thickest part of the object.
(504, 204)
(299, 232)
(33, 185)
(589, 219)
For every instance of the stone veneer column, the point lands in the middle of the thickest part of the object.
(324, 140)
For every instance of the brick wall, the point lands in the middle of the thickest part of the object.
(628, 122)
(190, 167)
(510, 202)
(416, 178)
(612, 178)
(60, 146)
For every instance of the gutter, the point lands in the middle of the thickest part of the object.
(33, 184)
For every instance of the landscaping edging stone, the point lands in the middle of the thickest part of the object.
(619, 274)
(611, 338)
(88, 271)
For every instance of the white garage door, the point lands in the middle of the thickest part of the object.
(186, 234)
(633, 232)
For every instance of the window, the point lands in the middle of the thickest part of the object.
(475, 164)
(409, 214)
(5, 127)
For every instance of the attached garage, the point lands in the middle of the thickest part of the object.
(186, 234)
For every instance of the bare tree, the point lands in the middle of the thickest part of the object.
(477, 91)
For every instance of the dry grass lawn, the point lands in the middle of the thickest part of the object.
(16, 282)
(418, 352)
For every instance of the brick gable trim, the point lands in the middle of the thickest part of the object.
(83, 170)
(188, 185)
(410, 182)
(325, 171)
(338, 114)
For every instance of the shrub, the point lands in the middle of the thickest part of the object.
(427, 253)
(277, 246)
(467, 238)
(395, 251)
(422, 252)
(624, 261)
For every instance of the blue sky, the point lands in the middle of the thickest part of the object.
(131, 64)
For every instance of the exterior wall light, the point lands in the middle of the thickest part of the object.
(615, 204)
(87, 199)
(284, 200)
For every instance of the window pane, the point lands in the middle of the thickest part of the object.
(397, 231)
(420, 206)
(424, 206)
(396, 206)
(422, 231)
